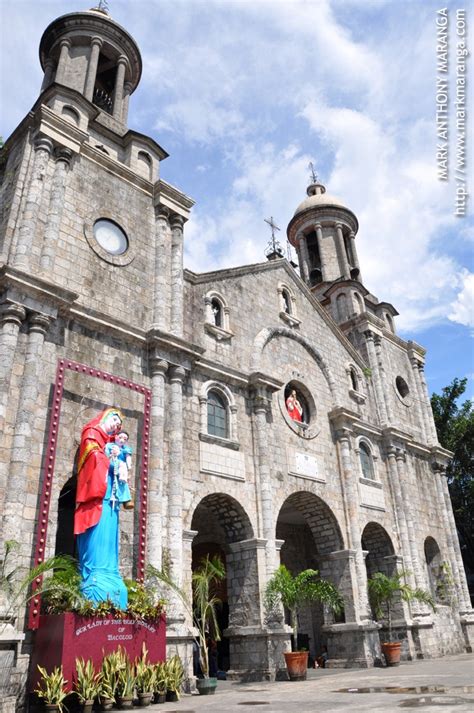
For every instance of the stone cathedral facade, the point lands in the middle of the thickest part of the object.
(94, 300)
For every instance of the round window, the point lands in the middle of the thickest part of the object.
(110, 237)
(298, 409)
(402, 387)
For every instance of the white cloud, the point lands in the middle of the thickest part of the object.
(463, 307)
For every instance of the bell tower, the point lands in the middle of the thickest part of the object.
(92, 54)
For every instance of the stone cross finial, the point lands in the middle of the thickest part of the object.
(272, 225)
(103, 6)
(273, 249)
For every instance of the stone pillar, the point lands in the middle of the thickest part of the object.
(425, 429)
(158, 368)
(175, 473)
(453, 543)
(119, 85)
(63, 61)
(303, 258)
(48, 74)
(11, 317)
(355, 259)
(351, 506)
(176, 317)
(55, 210)
(43, 148)
(432, 434)
(400, 512)
(264, 487)
(25, 442)
(127, 90)
(373, 362)
(96, 44)
(161, 296)
(322, 257)
(382, 377)
(341, 249)
(420, 581)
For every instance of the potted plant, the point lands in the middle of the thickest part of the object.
(383, 593)
(202, 610)
(87, 683)
(144, 678)
(111, 665)
(159, 683)
(174, 678)
(294, 591)
(126, 680)
(52, 688)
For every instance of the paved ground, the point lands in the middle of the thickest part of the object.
(449, 682)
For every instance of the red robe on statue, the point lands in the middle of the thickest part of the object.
(93, 466)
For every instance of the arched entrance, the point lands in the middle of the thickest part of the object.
(380, 553)
(223, 528)
(311, 537)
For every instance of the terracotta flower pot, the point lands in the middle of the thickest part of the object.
(297, 665)
(391, 651)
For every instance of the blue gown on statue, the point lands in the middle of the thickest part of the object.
(99, 552)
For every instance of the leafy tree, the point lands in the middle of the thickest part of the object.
(455, 426)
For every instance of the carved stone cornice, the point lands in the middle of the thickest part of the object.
(34, 293)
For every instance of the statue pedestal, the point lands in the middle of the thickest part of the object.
(61, 638)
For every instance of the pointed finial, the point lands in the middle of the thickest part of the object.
(314, 175)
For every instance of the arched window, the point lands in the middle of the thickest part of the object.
(341, 307)
(353, 378)
(366, 462)
(358, 306)
(296, 403)
(217, 415)
(286, 301)
(216, 308)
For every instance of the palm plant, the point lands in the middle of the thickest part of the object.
(205, 601)
(294, 591)
(384, 590)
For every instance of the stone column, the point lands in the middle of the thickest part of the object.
(373, 362)
(303, 258)
(432, 434)
(176, 317)
(158, 368)
(11, 317)
(127, 90)
(382, 377)
(55, 210)
(322, 257)
(420, 581)
(161, 296)
(400, 512)
(96, 44)
(119, 85)
(453, 543)
(43, 148)
(48, 74)
(63, 61)
(355, 259)
(425, 429)
(264, 494)
(25, 442)
(344, 263)
(351, 506)
(175, 472)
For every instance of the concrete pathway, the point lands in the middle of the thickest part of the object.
(435, 685)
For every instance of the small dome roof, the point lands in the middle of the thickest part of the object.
(317, 197)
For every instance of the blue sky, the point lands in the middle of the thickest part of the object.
(243, 94)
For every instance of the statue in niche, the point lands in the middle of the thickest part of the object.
(120, 455)
(96, 518)
(294, 407)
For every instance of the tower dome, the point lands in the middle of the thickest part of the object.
(323, 232)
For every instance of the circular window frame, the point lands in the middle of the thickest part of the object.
(119, 260)
(305, 431)
(405, 400)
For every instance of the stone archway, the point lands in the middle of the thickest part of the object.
(312, 539)
(224, 528)
(380, 552)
